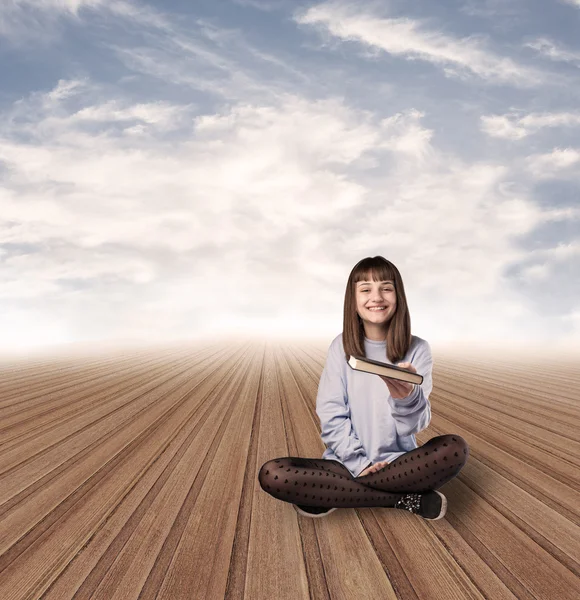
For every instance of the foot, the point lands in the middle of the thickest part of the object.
(431, 505)
(314, 512)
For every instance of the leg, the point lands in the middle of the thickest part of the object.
(427, 467)
(319, 482)
(326, 464)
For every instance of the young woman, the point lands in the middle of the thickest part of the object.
(368, 421)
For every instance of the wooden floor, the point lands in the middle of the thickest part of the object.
(134, 475)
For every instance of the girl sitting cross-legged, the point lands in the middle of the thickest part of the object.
(368, 421)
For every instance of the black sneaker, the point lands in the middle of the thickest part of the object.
(313, 512)
(431, 505)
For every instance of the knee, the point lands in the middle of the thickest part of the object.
(458, 444)
(267, 474)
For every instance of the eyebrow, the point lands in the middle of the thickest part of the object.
(365, 282)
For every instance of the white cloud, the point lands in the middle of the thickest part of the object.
(265, 5)
(563, 251)
(491, 8)
(562, 214)
(554, 52)
(409, 136)
(515, 127)
(538, 272)
(259, 190)
(22, 21)
(558, 253)
(71, 6)
(572, 2)
(545, 258)
(551, 164)
(215, 60)
(65, 89)
(104, 187)
(122, 218)
(37, 21)
(412, 40)
(161, 114)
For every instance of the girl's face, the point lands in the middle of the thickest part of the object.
(371, 294)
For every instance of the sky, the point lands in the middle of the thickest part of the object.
(182, 170)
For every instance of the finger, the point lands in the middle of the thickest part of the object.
(390, 383)
(407, 365)
(398, 386)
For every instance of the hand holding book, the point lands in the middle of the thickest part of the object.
(400, 389)
(400, 379)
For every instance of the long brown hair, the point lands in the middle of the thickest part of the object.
(399, 327)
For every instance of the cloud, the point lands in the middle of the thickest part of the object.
(65, 89)
(107, 226)
(86, 188)
(138, 209)
(160, 114)
(23, 22)
(572, 2)
(551, 164)
(413, 40)
(71, 6)
(554, 52)
(265, 5)
(514, 127)
(492, 8)
(213, 60)
(545, 259)
(537, 272)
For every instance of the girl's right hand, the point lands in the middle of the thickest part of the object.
(367, 471)
(374, 468)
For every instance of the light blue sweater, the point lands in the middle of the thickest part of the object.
(360, 422)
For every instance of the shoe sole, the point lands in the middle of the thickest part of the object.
(439, 516)
(443, 508)
(310, 515)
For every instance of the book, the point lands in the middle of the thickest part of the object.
(367, 365)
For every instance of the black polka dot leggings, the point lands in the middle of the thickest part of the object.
(324, 482)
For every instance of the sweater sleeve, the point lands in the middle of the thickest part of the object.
(332, 408)
(413, 413)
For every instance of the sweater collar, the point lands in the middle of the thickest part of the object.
(375, 343)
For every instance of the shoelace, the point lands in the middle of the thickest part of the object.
(410, 502)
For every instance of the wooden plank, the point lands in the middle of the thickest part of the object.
(276, 563)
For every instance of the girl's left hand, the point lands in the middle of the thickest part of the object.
(378, 466)
(400, 389)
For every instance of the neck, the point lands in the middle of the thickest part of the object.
(376, 333)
